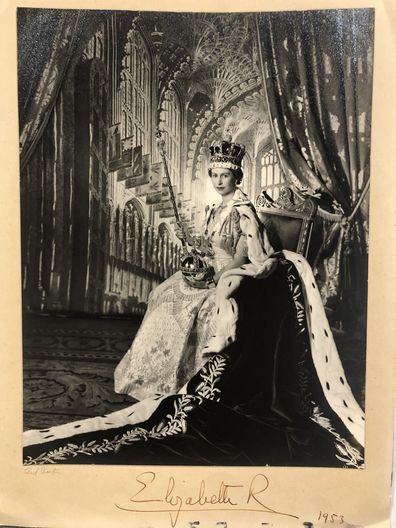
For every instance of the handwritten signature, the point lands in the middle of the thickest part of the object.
(235, 497)
(41, 470)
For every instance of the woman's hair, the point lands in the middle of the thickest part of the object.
(238, 174)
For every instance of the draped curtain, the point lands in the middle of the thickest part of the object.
(317, 73)
(48, 41)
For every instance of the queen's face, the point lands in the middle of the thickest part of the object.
(224, 181)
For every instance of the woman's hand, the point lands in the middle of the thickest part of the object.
(183, 234)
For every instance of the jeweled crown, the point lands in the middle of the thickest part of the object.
(226, 154)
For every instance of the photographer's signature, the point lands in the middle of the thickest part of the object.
(41, 470)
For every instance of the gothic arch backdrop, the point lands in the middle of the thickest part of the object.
(136, 74)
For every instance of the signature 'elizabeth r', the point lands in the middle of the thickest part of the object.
(175, 498)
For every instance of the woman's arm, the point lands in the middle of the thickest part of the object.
(240, 258)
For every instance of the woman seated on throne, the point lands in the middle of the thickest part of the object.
(234, 362)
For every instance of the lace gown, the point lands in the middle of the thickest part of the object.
(170, 344)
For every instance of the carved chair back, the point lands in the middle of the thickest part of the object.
(291, 223)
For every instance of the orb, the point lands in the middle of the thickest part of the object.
(193, 267)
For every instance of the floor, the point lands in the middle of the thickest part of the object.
(69, 365)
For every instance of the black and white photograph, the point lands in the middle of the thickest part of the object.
(194, 211)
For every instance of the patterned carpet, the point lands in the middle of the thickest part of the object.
(69, 365)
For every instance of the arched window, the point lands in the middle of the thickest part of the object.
(133, 232)
(269, 173)
(164, 231)
(135, 88)
(95, 46)
(134, 206)
(172, 128)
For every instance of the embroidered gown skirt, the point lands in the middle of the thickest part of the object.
(170, 345)
(168, 348)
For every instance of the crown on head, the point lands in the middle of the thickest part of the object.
(226, 154)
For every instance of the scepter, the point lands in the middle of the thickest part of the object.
(193, 265)
(161, 148)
